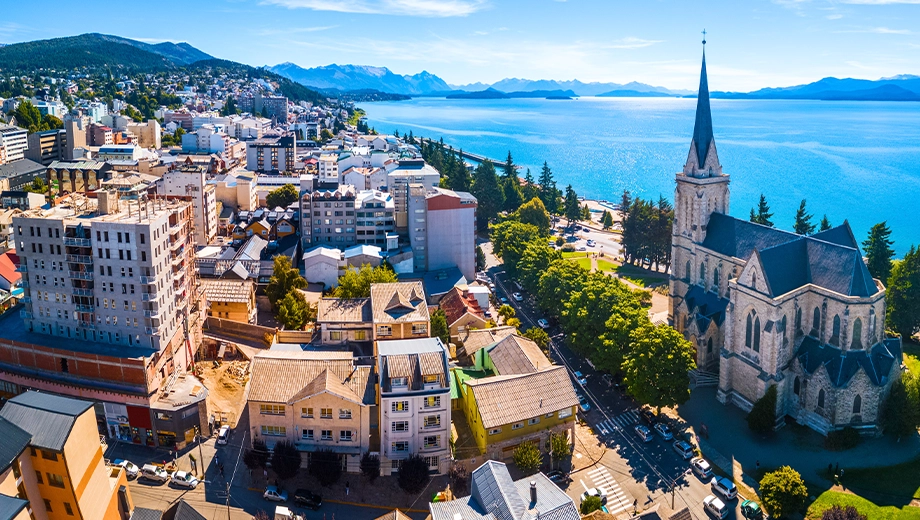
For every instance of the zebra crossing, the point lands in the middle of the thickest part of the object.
(618, 499)
(623, 421)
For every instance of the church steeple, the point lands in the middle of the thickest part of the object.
(703, 161)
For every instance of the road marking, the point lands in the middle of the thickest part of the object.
(618, 499)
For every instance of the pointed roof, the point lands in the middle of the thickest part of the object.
(702, 128)
(326, 381)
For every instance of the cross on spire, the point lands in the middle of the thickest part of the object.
(704, 36)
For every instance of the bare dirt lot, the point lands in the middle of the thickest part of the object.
(225, 383)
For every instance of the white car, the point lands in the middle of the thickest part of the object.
(131, 470)
(223, 435)
(582, 380)
(713, 506)
(184, 479)
(154, 473)
(595, 492)
(701, 467)
(663, 430)
(581, 248)
(724, 487)
(644, 433)
(543, 323)
(517, 297)
(591, 243)
(585, 406)
(273, 494)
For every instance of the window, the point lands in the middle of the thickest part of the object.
(715, 279)
(326, 435)
(702, 274)
(857, 404)
(431, 379)
(306, 413)
(274, 431)
(306, 435)
(432, 462)
(796, 386)
(344, 413)
(345, 436)
(400, 447)
(420, 328)
(68, 509)
(550, 415)
(495, 431)
(399, 381)
(752, 332)
(565, 413)
(709, 346)
(432, 421)
(433, 401)
(38, 477)
(48, 506)
(517, 426)
(55, 480)
(432, 441)
(688, 271)
(335, 335)
(857, 334)
(816, 322)
(360, 335)
(835, 332)
(400, 426)
(271, 409)
(533, 420)
(399, 406)
(821, 398)
(798, 322)
(325, 413)
(384, 330)
(49, 455)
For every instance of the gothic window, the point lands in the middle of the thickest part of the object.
(757, 335)
(752, 332)
(782, 328)
(748, 332)
(857, 404)
(715, 279)
(702, 274)
(821, 398)
(688, 271)
(857, 334)
(835, 336)
(816, 322)
(798, 322)
(709, 346)
(871, 326)
(796, 386)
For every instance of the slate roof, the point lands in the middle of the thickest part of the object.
(739, 238)
(702, 128)
(15, 441)
(399, 302)
(517, 355)
(842, 365)
(10, 507)
(47, 417)
(705, 307)
(412, 358)
(509, 399)
(279, 376)
(182, 511)
(495, 496)
(344, 310)
(474, 340)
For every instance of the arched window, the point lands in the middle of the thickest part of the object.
(796, 386)
(715, 278)
(688, 271)
(857, 404)
(871, 326)
(748, 334)
(835, 334)
(782, 328)
(857, 334)
(816, 322)
(709, 346)
(798, 322)
(757, 335)
(702, 274)
(821, 398)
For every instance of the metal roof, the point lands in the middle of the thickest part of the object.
(49, 418)
(10, 507)
(15, 441)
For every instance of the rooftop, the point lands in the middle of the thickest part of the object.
(47, 417)
(509, 399)
(399, 302)
(15, 441)
(344, 310)
(280, 376)
(220, 290)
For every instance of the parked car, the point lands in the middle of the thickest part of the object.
(487, 313)
(647, 416)
(131, 469)
(701, 467)
(223, 435)
(715, 507)
(684, 449)
(273, 494)
(503, 300)
(644, 433)
(663, 430)
(751, 510)
(595, 492)
(154, 473)
(591, 243)
(307, 498)
(585, 406)
(543, 323)
(581, 248)
(608, 378)
(582, 380)
(184, 479)
(724, 487)
(559, 477)
(517, 297)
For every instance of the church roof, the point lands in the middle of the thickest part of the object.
(739, 238)
(705, 306)
(702, 128)
(843, 365)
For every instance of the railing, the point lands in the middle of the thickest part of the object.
(24, 283)
(26, 299)
(151, 314)
(80, 259)
(146, 297)
(82, 275)
(82, 292)
(178, 242)
(23, 268)
(147, 280)
(86, 325)
(150, 331)
(26, 315)
(84, 308)
(79, 242)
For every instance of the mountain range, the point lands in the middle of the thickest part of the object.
(904, 87)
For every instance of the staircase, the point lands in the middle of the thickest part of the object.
(701, 378)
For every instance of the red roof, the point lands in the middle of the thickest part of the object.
(8, 267)
(455, 304)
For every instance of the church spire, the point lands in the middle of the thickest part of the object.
(702, 129)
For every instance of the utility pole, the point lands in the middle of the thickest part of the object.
(200, 454)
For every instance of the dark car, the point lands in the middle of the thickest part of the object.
(647, 416)
(559, 477)
(307, 498)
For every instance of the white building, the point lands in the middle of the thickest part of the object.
(414, 171)
(328, 169)
(207, 139)
(365, 178)
(191, 181)
(210, 118)
(120, 152)
(414, 403)
(442, 229)
(15, 140)
(323, 265)
(248, 128)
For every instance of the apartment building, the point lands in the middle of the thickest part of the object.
(236, 190)
(53, 465)
(191, 180)
(78, 176)
(76, 138)
(399, 311)
(265, 105)
(328, 169)
(271, 154)
(47, 146)
(414, 397)
(317, 400)
(15, 140)
(148, 134)
(99, 135)
(365, 178)
(411, 171)
(442, 229)
(375, 218)
(328, 217)
(206, 139)
(122, 152)
(248, 128)
(233, 300)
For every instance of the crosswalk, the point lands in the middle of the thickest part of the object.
(618, 499)
(624, 421)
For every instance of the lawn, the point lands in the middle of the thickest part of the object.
(605, 265)
(585, 263)
(899, 480)
(912, 356)
(638, 276)
(574, 254)
(830, 498)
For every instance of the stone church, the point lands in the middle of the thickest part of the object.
(767, 307)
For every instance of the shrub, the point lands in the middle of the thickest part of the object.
(527, 457)
(568, 248)
(370, 466)
(413, 474)
(842, 513)
(326, 466)
(459, 480)
(589, 505)
(841, 440)
(762, 418)
(285, 460)
(783, 492)
(257, 457)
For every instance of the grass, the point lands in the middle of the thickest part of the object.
(637, 275)
(912, 356)
(606, 265)
(574, 254)
(898, 480)
(828, 499)
(585, 263)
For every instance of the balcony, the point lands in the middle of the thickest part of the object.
(82, 292)
(148, 280)
(80, 259)
(24, 283)
(23, 268)
(81, 275)
(79, 242)
(86, 325)
(84, 308)
(148, 297)
(177, 243)
(151, 314)
(150, 331)
(26, 299)
(26, 315)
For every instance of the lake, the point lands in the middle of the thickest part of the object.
(858, 161)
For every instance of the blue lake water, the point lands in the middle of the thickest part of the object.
(858, 161)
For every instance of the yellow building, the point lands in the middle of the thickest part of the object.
(53, 463)
(522, 398)
(283, 228)
(233, 300)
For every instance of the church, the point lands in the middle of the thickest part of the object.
(765, 307)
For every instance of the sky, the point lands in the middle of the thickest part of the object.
(751, 43)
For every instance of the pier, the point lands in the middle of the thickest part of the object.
(468, 155)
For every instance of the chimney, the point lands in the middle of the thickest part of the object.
(533, 491)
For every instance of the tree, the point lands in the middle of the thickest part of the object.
(586, 214)
(509, 240)
(257, 457)
(357, 284)
(589, 505)
(762, 418)
(513, 322)
(607, 220)
(878, 251)
(37, 186)
(901, 409)
(534, 212)
(229, 107)
(439, 328)
(480, 259)
(292, 311)
(325, 135)
(557, 283)
(284, 279)
(570, 206)
(509, 170)
(459, 478)
(825, 223)
(527, 457)
(559, 446)
(326, 466)
(783, 492)
(803, 225)
(836, 512)
(538, 336)
(657, 370)
(413, 474)
(51, 122)
(28, 117)
(534, 261)
(285, 460)
(548, 192)
(282, 197)
(488, 194)
(904, 295)
(506, 312)
(762, 215)
(511, 190)
(370, 466)
(529, 190)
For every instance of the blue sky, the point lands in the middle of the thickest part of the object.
(752, 43)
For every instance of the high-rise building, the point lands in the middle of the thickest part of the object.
(191, 181)
(442, 229)
(48, 146)
(15, 140)
(413, 171)
(271, 154)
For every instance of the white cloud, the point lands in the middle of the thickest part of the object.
(631, 43)
(293, 30)
(881, 2)
(425, 8)
(876, 30)
(834, 16)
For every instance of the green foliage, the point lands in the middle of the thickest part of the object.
(173, 139)
(357, 284)
(803, 225)
(843, 513)
(37, 186)
(657, 370)
(586, 213)
(511, 191)
(413, 474)
(878, 251)
(513, 322)
(607, 220)
(762, 215)
(488, 193)
(480, 259)
(506, 311)
(444, 159)
(459, 478)
(589, 505)
(548, 193)
(534, 212)
(509, 239)
(903, 295)
(326, 466)
(257, 457)
(285, 460)
(825, 223)
(560, 280)
(284, 279)
(762, 418)
(783, 492)
(647, 231)
(527, 458)
(28, 117)
(325, 135)
(842, 440)
(282, 197)
(538, 336)
(559, 446)
(571, 208)
(439, 326)
(534, 261)
(86, 50)
(901, 409)
(229, 107)
(293, 311)
(370, 466)
(529, 190)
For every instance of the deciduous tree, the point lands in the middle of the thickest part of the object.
(527, 458)
(285, 460)
(284, 279)
(836, 512)
(370, 466)
(439, 327)
(538, 336)
(282, 197)
(357, 284)
(534, 261)
(326, 466)
(783, 492)
(413, 474)
(557, 283)
(509, 239)
(559, 446)
(589, 505)
(657, 370)
(534, 212)
(293, 311)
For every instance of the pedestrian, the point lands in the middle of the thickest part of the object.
(347, 488)
(265, 475)
(216, 459)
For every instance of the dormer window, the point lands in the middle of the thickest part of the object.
(399, 381)
(431, 380)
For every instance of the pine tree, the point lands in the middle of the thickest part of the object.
(548, 192)
(903, 295)
(586, 214)
(529, 189)
(625, 204)
(572, 208)
(825, 224)
(607, 220)
(509, 168)
(803, 225)
(512, 192)
(763, 215)
(878, 251)
(488, 192)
